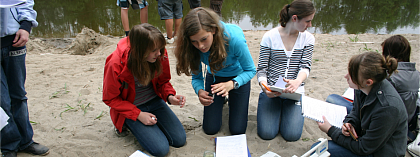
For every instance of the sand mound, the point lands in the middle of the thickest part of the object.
(87, 42)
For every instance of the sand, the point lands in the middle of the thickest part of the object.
(68, 115)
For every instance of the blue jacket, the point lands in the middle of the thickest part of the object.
(238, 63)
(13, 19)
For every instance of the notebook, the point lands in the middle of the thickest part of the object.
(314, 109)
(232, 146)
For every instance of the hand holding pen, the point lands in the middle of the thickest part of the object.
(348, 130)
(267, 90)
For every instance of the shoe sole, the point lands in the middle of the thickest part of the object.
(46, 153)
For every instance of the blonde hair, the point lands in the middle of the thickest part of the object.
(188, 56)
(143, 39)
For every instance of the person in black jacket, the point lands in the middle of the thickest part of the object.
(378, 119)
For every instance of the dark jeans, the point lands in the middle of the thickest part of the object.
(168, 130)
(17, 135)
(238, 108)
(338, 151)
(194, 3)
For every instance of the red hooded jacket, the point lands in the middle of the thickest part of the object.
(119, 86)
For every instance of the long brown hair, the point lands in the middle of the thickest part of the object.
(143, 39)
(300, 8)
(188, 57)
(371, 65)
(398, 47)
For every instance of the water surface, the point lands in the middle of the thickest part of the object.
(66, 18)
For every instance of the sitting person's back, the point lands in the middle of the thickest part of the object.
(406, 80)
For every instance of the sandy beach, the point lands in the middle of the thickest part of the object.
(64, 86)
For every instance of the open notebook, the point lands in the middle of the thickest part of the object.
(314, 109)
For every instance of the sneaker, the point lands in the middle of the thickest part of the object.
(170, 41)
(9, 154)
(123, 133)
(37, 149)
(414, 147)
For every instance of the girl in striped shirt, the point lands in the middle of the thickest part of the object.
(285, 53)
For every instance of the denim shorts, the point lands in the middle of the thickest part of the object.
(135, 4)
(170, 9)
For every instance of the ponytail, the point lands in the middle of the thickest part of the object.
(300, 8)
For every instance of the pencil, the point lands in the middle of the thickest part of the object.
(266, 87)
(354, 137)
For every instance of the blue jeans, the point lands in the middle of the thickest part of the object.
(339, 100)
(338, 151)
(17, 135)
(238, 108)
(276, 114)
(168, 130)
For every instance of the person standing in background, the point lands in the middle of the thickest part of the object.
(216, 6)
(194, 3)
(135, 4)
(169, 10)
(16, 136)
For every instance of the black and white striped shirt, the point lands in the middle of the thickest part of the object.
(274, 60)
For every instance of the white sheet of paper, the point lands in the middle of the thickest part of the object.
(11, 3)
(3, 118)
(280, 83)
(232, 146)
(349, 94)
(314, 109)
(138, 154)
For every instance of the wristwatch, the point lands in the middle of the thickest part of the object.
(235, 84)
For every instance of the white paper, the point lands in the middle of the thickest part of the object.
(314, 109)
(270, 154)
(280, 83)
(11, 3)
(349, 94)
(3, 118)
(232, 146)
(138, 154)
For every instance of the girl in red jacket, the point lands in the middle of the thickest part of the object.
(136, 86)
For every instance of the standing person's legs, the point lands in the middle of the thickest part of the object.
(339, 100)
(165, 10)
(216, 6)
(291, 123)
(144, 11)
(167, 131)
(177, 14)
(268, 116)
(194, 3)
(212, 118)
(169, 24)
(238, 108)
(17, 135)
(124, 15)
(124, 19)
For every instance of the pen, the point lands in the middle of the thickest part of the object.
(352, 135)
(266, 87)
